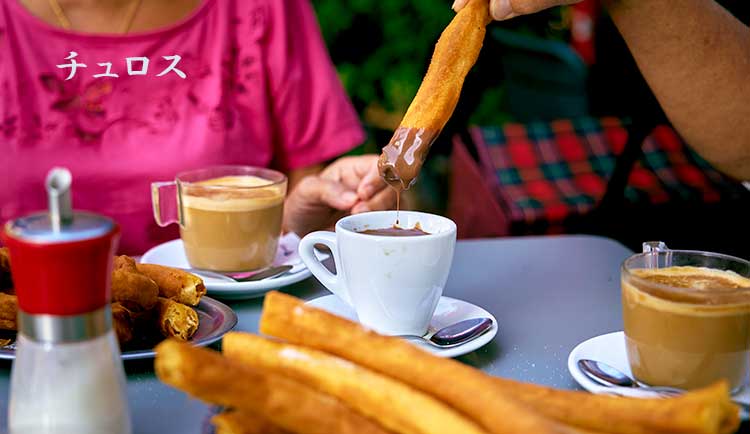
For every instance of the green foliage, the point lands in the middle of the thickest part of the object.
(381, 47)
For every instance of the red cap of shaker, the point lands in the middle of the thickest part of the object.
(61, 262)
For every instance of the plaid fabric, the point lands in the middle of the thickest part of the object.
(548, 172)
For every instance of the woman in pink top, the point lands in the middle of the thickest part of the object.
(168, 86)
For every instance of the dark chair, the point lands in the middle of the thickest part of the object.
(544, 79)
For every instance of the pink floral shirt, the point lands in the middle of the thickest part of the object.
(259, 89)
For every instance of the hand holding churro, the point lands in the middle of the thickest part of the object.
(455, 54)
(505, 9)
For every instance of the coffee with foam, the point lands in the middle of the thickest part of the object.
(687, 326)
(232, 223)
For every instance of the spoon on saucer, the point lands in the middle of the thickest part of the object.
(250, 276)
(608, 376)
(455, 334)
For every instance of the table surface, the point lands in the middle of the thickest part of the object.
(547, 293)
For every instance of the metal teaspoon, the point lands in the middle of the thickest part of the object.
(455, 334)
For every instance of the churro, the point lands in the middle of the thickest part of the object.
(288, 318)
(455, 54)
(5, 279)
(175, 319)
(707, 411)
(243, 422)
(133, 289)
(207, 375)
(122, 323)
(8, 311)
(388, 401)
(175, 284)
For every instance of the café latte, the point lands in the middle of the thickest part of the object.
(686, 326)
(231, 223)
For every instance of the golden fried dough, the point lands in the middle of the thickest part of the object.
(123, 323)
(5, 279)
(208, 376)
(133, 289)
(707, 410)
(391, 403)
(175, 319)
(455, 54)
(8, 311)
(243, 422)
(175, 284)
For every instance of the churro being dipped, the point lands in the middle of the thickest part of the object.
(389, 402)
(455, 54)
(207, 375)
(175, 284)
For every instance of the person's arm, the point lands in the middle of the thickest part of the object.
(695, 56)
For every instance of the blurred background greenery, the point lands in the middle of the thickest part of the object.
(381, 49)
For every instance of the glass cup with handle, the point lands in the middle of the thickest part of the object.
(230, 216)
(686, 317)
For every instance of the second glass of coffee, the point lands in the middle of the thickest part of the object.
(229, 216)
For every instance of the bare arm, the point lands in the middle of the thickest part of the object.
(695, 57)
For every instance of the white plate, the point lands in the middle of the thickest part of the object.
(449, 311)
(172, 253)
(610, 349)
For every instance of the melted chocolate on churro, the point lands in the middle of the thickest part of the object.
(403, 157)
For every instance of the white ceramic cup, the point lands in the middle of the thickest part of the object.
(393, 283)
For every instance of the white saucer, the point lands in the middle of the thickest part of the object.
(172, 253)
(610, 349)
(449, 311)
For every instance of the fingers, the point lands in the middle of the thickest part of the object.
(383, 200)
(317, 190)
(505, 9)
(458, 4)
(371, 184)
(501, 9)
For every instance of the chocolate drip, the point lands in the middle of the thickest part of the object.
(402, 159)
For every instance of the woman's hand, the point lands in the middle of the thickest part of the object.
(504, 9)
(349, 185)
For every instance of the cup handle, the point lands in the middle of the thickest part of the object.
(164, 202)
(656, 247)
(328, 279)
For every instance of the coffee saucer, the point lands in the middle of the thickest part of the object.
(610, 349)
(449, 311)
(172, 253)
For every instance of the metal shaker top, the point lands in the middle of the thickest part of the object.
(60, 224)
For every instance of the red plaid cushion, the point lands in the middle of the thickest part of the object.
(548, 172)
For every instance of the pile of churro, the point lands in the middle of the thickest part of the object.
(316, 373)
(149, 302)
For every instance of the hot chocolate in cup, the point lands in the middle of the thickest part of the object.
(392, 276)
(686, 317)
(230, 216)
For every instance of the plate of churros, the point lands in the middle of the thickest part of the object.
(149, 303)
(172, 253)
(311, 372)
